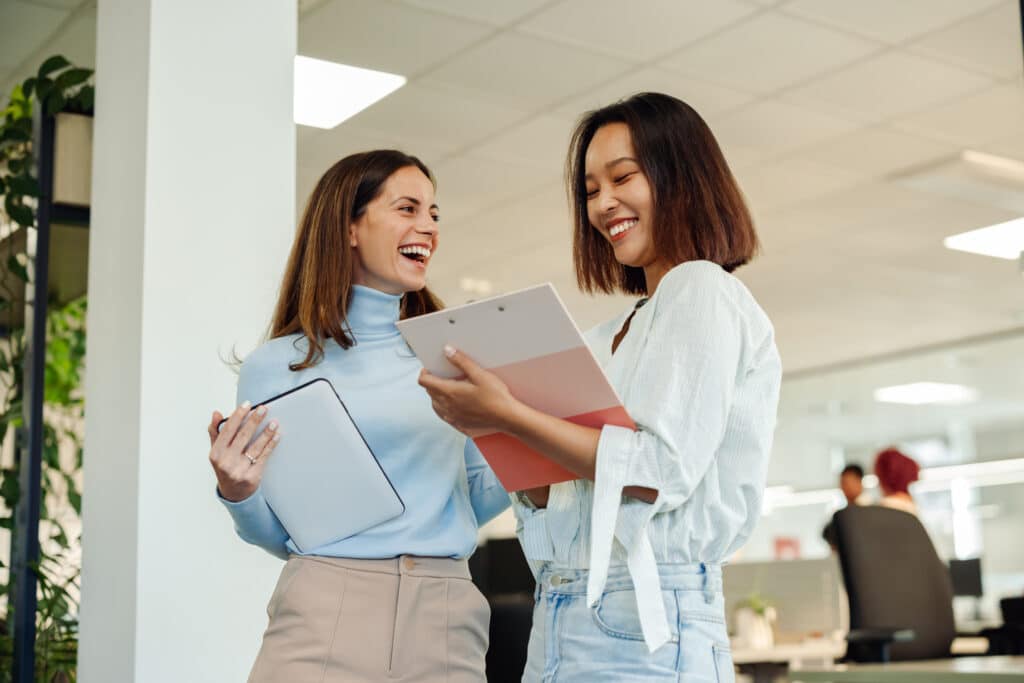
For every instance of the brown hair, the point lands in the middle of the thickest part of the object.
(699, 212)
(317, 286)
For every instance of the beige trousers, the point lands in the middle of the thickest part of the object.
(395, 620)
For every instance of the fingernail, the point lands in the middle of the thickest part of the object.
(261, 410)
(246, 405)
(273, 425)
(449, 350)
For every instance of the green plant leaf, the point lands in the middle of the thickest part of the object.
(55, 101)
(16, 267)
(55, 63)
(24, 185)
(23, 216)
(14, 134)
(27, 87)
(71, 78)
(43, 88)
(86, 97)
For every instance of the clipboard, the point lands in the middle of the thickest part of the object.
(322, 480)
(528, 339)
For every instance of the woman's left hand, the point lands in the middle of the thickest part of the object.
(480, 401)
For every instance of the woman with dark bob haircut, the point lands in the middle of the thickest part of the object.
(628, 557)
(394, 602)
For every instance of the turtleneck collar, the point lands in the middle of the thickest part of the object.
(372, 314)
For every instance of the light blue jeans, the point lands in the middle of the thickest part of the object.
(571, 642)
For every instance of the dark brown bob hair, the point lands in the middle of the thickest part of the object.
(317, 286)
(699, 212)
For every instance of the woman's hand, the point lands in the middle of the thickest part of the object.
(239, 469)
(480, 401)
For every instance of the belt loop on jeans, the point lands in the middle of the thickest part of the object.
(709, 593)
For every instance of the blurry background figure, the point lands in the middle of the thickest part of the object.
(896, 472)
(851, 483)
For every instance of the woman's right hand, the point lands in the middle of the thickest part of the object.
(239, 469)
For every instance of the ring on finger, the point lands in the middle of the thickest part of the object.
(252, 460)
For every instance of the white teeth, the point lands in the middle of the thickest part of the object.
(622, 227)
(419, 251)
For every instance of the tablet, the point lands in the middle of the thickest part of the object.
(322, 480)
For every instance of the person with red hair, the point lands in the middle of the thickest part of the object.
(896, 472)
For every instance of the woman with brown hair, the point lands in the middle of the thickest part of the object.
(628, 557)
(395, 602)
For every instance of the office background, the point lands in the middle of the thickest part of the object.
(847, 126)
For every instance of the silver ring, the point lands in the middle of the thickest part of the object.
(252, 460)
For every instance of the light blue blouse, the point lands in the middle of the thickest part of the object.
(699, 374)
(446, 485)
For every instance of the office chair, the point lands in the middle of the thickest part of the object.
(502, 574)
(901, 599)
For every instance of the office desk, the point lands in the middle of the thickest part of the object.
(956, 670)
(764, 665)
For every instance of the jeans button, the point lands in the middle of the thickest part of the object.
(556, 580)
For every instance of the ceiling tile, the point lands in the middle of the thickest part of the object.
(892, 22)
(317, 150)
(470, 186)
(989, 43)
(1012, 147)
(708, 99)
(34, 24)
(384, 36)
(637, 32)
(494, 13)
(541, 142)
(973, 120)
(768, 129)
(527, 72)
(437, 116)
(786, 182)
(769, 52)
(886, 86)
(878, 151)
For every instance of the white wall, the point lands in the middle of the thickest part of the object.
(193, 213)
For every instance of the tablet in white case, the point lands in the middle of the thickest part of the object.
(322, 480)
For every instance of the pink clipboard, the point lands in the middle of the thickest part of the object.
(528, 339)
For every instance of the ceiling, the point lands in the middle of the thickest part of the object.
(821, 106)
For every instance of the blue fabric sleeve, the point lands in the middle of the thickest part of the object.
(255, 522)
(486, 494)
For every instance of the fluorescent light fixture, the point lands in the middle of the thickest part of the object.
(921, 393)
(327, 93)
(1003, 240)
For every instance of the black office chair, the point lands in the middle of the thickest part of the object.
(502, 574)
(901, 598)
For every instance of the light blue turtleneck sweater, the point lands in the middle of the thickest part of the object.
(446, 485)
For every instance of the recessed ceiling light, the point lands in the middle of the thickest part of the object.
(1003, 240)
(327, 93)
(921, 393)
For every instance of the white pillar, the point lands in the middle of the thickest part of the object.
(192, 215)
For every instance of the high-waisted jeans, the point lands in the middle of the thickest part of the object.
(571, 642)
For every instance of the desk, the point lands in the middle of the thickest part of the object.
(765, 664)
(956, 670)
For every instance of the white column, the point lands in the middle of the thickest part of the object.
(192, 215)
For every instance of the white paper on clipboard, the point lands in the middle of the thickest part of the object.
(528, 339)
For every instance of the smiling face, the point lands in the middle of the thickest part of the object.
(620, 203)
(397, 234)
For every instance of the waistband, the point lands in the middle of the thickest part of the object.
(700, 576)
(404, 565)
